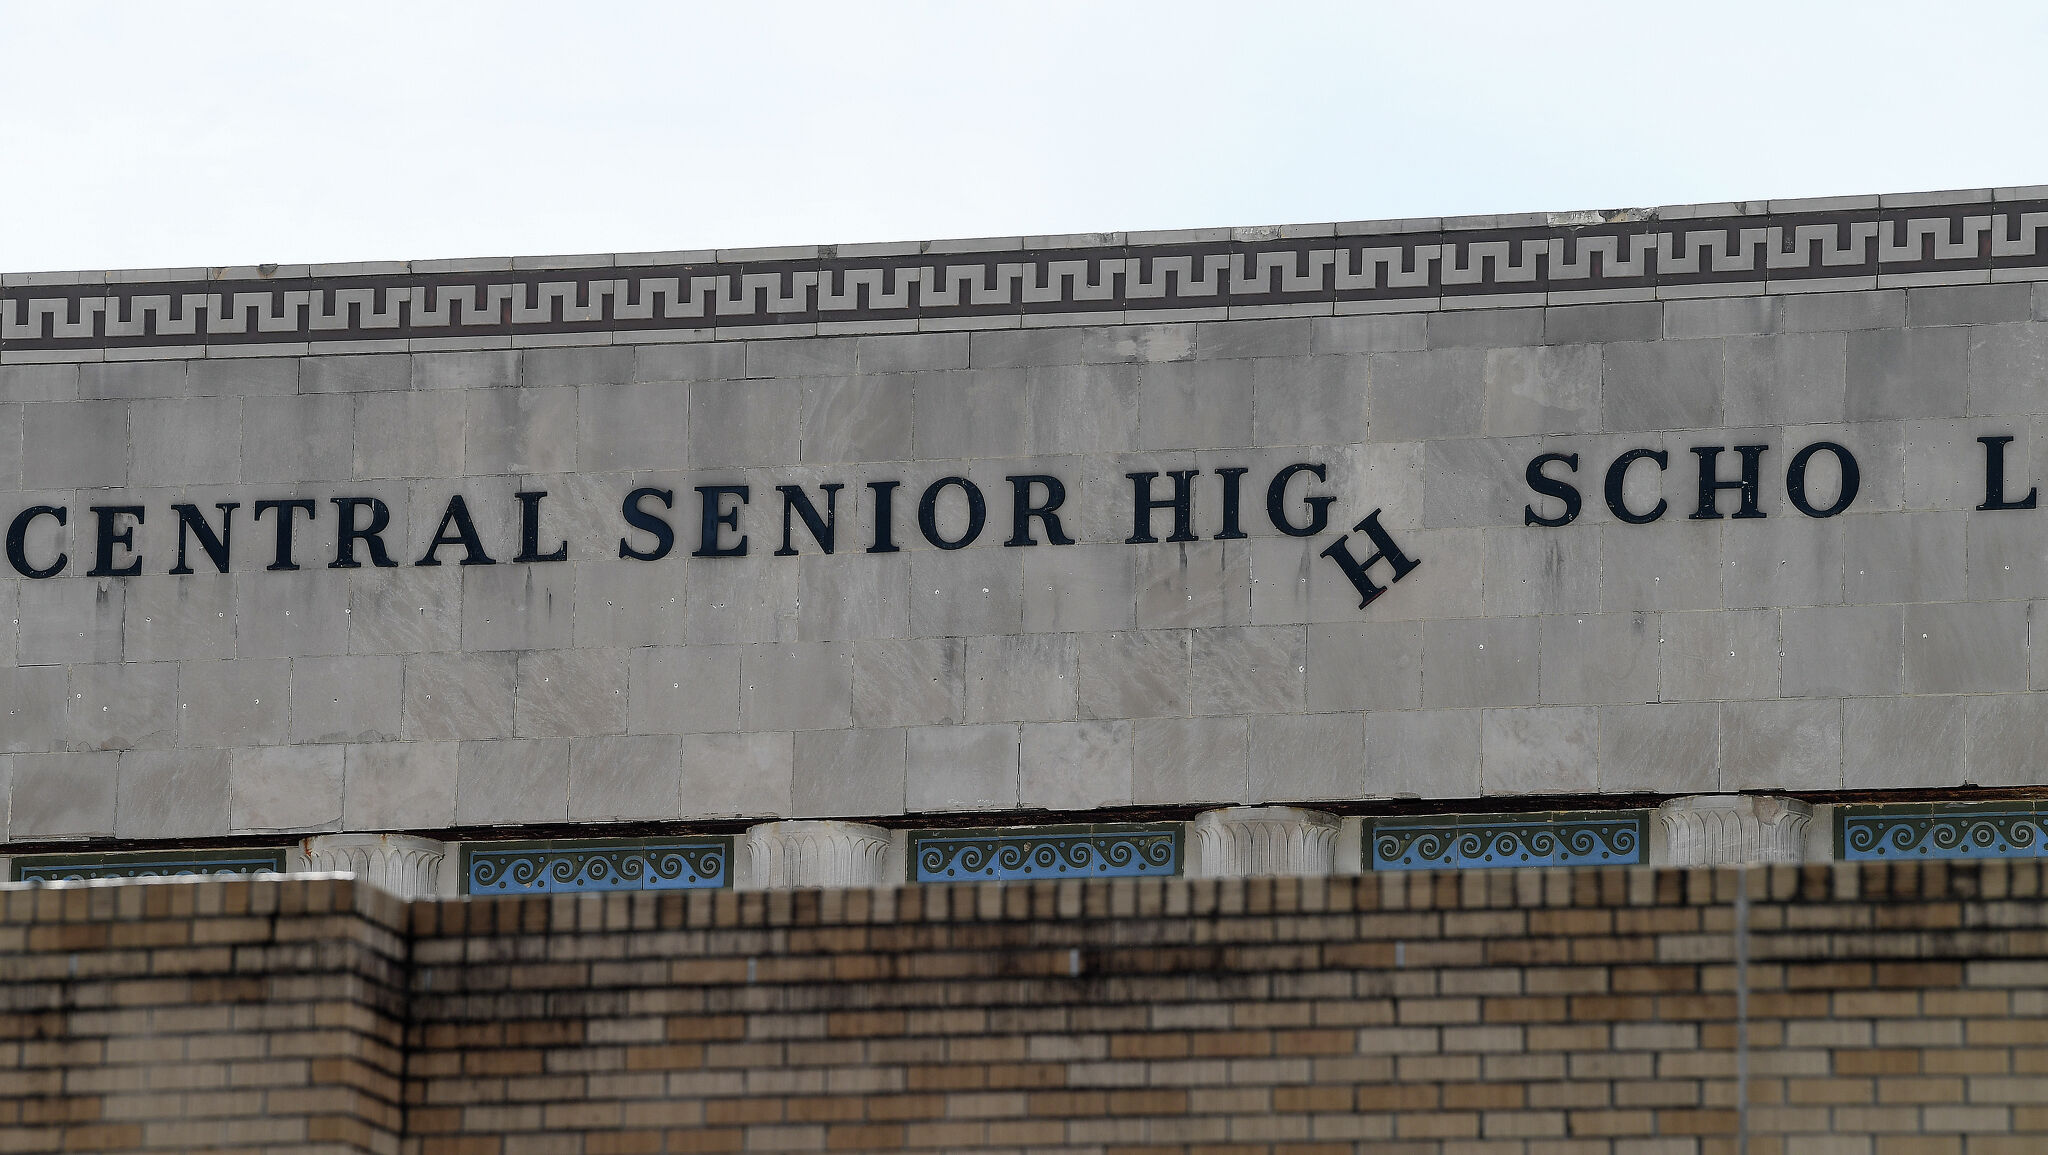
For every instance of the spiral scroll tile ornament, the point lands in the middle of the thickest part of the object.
(584, 865)
(172, 864)
(1026, 852)
(1930, 831)
(1502, 841)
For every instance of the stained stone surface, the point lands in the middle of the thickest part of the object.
(962, 662)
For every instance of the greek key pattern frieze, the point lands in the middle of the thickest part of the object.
(78, 867)
(1493, 841)
(1628, 251)
(593, 865)
(1105, 851)
(1908, 833)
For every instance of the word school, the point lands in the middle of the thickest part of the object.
(1552, 476)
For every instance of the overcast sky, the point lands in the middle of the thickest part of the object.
(144, 135)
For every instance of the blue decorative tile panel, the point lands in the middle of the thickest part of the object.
(597, 864)
(1118, 851)
(1491, 841)
(1939, 830)
(60, 867)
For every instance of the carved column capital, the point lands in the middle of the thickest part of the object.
(817, 853)
(406, 866)
(1243, 841)
(1723, 829)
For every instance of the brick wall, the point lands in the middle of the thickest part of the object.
(201, 1016)
(1868, 1010)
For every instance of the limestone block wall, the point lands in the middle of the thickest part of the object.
(590, 418)
(1901, 1007)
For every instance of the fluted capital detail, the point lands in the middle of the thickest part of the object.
(1244, 841)
(1723, 829)
(402, 864)
(817, 853)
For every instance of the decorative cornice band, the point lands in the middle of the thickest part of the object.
(1319, 269)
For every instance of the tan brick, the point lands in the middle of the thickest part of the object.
(1490, 924)
(1524, 1010)
(2006, 1032)
(1841, 1090)
(1895, 1061)
(2030, 1120)
(1831, 1033)
(1656, 1092)
(1877, 1004)
(1154, 1102)
(944, 1136)
(1965, 1004)
(1874, 1120)
(1586, 1036)
(1025, 1076)
(1654, 979)
(1484, 1097)
(1149, 1045)
(1790, 1005)
(1961, 1061)
(688, 1027)
(823, 1108)
(985, 1105)
(1314, 1042)
(994, 1049)
(1437, 1125)
(1610, 1122)
(1613, 1008)
(1230, 1043)
(1919, 1089)
(103, 1137)
(2015, 1089)
(1967, 1118)
(724, 1112)
(2004, 1144)
(1920, 1145)
(1571, 923)
(627, 1142)
(864, 1024)
(2002, 973)
(1919, 974)
(464, 1145)
(1399, 1097)
(1437, 1068)
(1022, 1133)
(1422, 1011)
(1558, 980)
(1309, 1099)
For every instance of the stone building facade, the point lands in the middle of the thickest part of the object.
(1244, 690)
(1686, 535)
